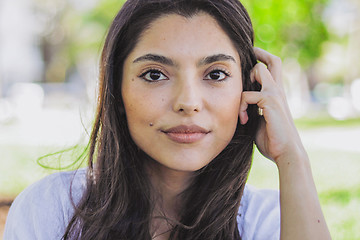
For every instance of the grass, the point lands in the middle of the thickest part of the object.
(336, 174)
(325, 121)
(23, 165)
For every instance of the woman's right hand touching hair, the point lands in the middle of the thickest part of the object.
(278, 140)
(277, 137)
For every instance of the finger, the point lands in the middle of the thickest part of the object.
(263, 76)
(252, 75)
(248, 97)
(272, 62)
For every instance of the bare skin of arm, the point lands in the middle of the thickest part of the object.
(278, 140)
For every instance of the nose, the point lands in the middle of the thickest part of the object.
(187, 97)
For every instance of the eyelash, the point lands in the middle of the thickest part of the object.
(142, 75)
(153, 70)
(226, 73)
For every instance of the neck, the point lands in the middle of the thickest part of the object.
(168, 184)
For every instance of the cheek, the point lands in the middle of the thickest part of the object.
(138, 117)
(227, 102)
(227, 111)
(143, 108)
(136, 108)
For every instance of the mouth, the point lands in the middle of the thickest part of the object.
(186, 134)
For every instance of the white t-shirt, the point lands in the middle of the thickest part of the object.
(43, 210)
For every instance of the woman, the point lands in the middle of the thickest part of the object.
(172, 142)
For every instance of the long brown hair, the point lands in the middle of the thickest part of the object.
(117, 201)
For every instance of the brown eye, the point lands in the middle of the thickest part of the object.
(153, 75)
(216, 75)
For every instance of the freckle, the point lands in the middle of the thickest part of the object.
(162, 99)
(132, 79)
(151, 124)
(288, 163)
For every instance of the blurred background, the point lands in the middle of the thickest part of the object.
(49, 54)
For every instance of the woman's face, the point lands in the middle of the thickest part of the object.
(181, 89)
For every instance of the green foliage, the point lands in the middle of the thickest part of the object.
(104, 12)
(285, 28)
(289, 28)
(92, 27)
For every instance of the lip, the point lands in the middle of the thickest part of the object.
(185, 133)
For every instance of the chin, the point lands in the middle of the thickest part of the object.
(186, 164)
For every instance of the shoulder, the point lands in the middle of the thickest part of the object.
(259, 214)
(43, 209)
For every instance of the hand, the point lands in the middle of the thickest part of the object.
(278, 140)
(277, 137)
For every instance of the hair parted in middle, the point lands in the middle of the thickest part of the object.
(118, 200)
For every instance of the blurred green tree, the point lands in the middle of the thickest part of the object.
(286, 28)
(289, 28)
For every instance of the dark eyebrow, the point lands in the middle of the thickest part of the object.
(155, 58)
(215, 58)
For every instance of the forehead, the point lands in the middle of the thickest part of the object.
(174, 34)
